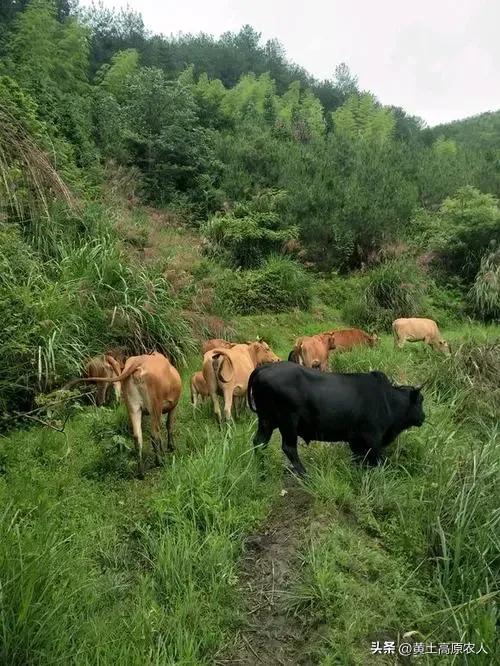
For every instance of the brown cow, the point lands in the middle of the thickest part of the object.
(216, 343)
(101, 366)
(228, 371)
(152, 385)
(347, 338)
(415, 329)
(312, 351)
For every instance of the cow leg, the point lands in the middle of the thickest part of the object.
(135, 419)
(215, 401)
(101, 394)
(156, 431)
(263, 435)
(289, 446)
(365, 449)
(117, 391)
(169, 423)
(228, 402)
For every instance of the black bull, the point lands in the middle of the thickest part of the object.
(363, 409)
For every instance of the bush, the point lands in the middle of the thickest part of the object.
(394, 289)
(485, 292)
(280, 285)
(249, 233)
(462, 231)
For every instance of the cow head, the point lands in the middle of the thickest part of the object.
(415, 415)
(262, 353)
(328, 339)
(444, 347)
(331, 341)
(373, 340)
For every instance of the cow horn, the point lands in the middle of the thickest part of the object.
(419, 387)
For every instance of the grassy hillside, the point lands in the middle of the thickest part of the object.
(481, 132)
(155, 192)
(98, 566)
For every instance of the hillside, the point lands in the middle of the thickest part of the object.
(207, 560)
(157, 192)
(481, 132)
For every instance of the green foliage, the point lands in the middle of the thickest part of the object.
(113, 76)
(485, 292)
(50, 61)
(463, 230)
(56, 313)
(393, 289)
(165, 140)
(249, 233)
(362, 118)
(280, 284)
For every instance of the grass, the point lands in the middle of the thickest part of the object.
(98, 567)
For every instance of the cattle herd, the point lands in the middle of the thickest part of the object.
(297, 397)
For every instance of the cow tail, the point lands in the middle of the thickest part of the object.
(104, 380)
(217, 368)
(191, 389)
(250, 397)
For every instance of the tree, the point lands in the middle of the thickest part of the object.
(344, 81)
(465, 229)
(164, 137)
(360, 117)
(113, 76)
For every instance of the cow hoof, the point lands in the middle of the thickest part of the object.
(300, 474)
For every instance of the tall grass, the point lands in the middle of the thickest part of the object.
(81, 298)
(99, 568)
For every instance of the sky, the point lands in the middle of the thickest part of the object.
(438, 59)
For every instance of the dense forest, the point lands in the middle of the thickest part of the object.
(284, 176)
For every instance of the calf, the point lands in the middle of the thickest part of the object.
(199, 388)
(416, 329)
(363, 409)
(347, 338)
(227, 371)
(313, 351)
(150, 385)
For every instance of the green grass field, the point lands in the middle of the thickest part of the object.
(207, 561)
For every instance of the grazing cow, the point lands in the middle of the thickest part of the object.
(216, 343)
(227, 371)
(150, 384)
(417, 329)
(347, 338)
(102, 366)
(313, 351)
(363, 409)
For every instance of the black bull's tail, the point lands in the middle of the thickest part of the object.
(250, 397)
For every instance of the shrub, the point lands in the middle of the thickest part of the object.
(280, 285)
(462, 231)
(485, 292)
(394, 289)
(249, 233)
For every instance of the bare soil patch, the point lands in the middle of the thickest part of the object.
(271, 635)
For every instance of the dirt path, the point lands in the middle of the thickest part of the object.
(271, 636)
